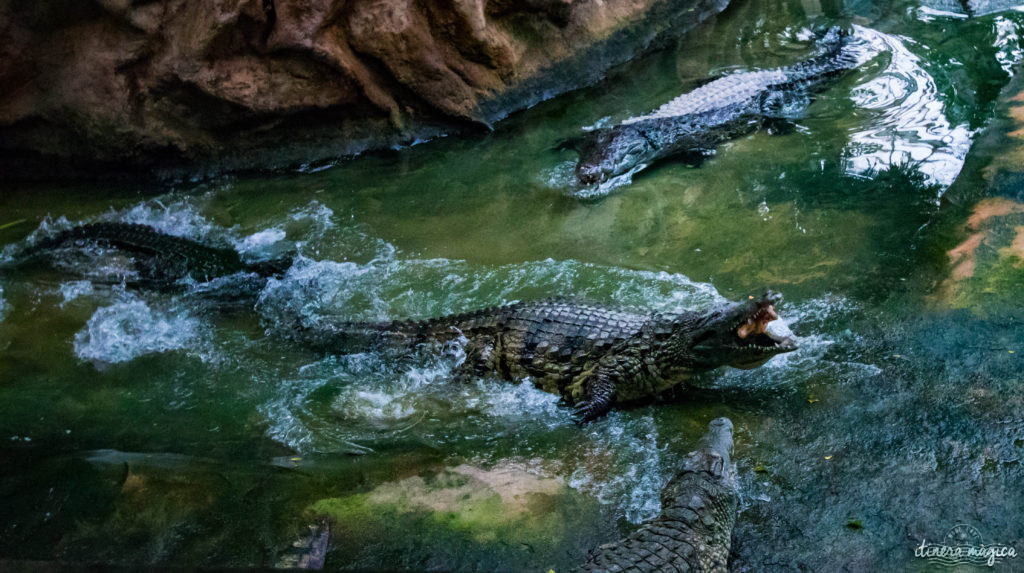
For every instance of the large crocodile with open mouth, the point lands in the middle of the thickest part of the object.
(698, 512)
(594, 357)
(157, 259)
(723, 109)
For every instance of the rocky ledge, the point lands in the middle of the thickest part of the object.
(175, 87)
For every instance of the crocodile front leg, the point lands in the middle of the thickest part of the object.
(601, 392)
(617, 375)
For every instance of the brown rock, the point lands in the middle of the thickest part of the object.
(111, 87)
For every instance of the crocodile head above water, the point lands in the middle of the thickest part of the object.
(612, 152)
(694, 530)
(738, 335)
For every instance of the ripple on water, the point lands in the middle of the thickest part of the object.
(1008, 42)
(128, 329)
(625, 466)
(910, 125)
(343, 403)
(369, 398)
(562, 178)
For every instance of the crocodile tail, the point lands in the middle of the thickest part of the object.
(59, 240)
(334, 335)
(834, 57)
(331, 334)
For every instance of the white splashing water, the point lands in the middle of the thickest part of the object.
(75, 289)
(46, 228)
(261, 243)
(359, 398)
(126, 330)
(179, 217)
(3, 304)
(911, 125)
(626, 468)
(388, 288)
(319, 216)
(603, 122)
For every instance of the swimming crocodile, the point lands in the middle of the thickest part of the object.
(694, 530)
(158, 259)
(594, 357)
(697, 121)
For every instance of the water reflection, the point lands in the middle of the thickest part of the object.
(910, 125)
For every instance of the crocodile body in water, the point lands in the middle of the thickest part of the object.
(697, 121)
(593, 356)
(694, 531)
(157, 259)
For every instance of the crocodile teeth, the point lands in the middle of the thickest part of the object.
(758, 323)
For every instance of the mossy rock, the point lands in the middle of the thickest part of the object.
(460, 517)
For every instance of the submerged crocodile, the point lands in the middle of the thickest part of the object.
(697, 121)
(694, 530)
(594, 357)
(158, 259)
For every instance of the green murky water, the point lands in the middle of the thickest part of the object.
(177, 428)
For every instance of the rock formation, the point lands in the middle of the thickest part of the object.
(173, 87)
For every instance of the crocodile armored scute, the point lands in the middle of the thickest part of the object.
(595, 357)
(694, 530)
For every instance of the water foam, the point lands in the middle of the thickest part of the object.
(336, 402)
(625, 467)
(75, 289)
(130, 328)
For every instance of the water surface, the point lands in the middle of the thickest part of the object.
(180, 428)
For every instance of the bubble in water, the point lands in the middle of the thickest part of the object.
(129, 329)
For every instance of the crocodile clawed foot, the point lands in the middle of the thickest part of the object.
(583, 413)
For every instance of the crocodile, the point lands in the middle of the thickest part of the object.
(694, 531)
(158, 259)
(697, 121)
(594, 357)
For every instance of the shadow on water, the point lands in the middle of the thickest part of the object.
(151, 427)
